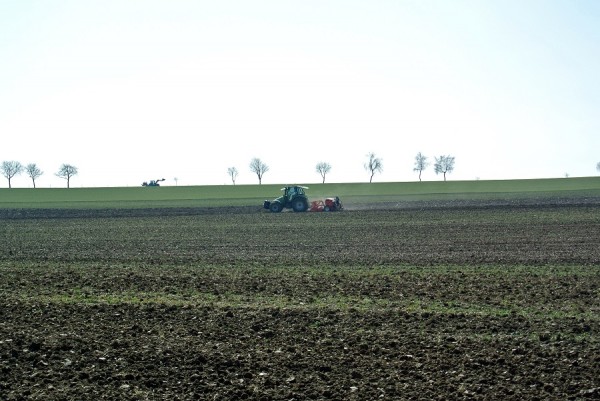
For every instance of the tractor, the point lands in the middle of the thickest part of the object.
(152, 183)
(293, 198)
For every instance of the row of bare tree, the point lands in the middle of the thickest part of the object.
(373, 165)
(443, 164)
(10, 169)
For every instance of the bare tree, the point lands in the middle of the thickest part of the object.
(67, 171)
(259, 168)
(323, 169)
(373, 165)
(233, 173)
(598, 166)
(444, 164)
(34, 172)
(10, 169)
(420, 163)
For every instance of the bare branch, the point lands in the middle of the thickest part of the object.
(10, 169)
(67, 171)
(34, 172)
(444, 164)
(373, 165)
(233, 173)
(323, 168)
(420, 163)
(259, 168)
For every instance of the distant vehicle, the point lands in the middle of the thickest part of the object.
(152, 183)
(294, 197)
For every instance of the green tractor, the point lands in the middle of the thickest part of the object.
(293, 198)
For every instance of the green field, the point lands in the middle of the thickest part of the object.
(249, 195)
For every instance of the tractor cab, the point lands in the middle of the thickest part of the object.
(290, 192)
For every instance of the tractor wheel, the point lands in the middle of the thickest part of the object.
(275, 207)
(299, 205)
(327, 209)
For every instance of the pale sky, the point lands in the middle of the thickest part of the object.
(133, 90)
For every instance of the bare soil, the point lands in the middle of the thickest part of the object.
(428, 301)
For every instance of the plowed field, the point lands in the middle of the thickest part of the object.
(224, 304)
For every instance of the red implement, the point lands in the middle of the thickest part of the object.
(329, 205)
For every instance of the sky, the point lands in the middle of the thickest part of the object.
(129, 91)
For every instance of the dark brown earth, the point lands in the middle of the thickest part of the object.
(454, 204)
(432, 301)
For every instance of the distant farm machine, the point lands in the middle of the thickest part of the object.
(294, 197)
(152, 183)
